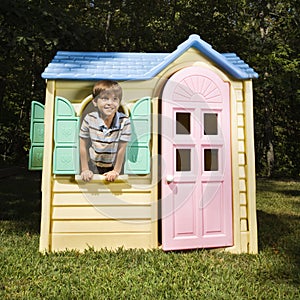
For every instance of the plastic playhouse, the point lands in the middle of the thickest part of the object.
(188, 179)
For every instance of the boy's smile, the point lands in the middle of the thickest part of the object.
(108, 104)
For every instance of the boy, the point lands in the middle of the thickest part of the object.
(104, 133)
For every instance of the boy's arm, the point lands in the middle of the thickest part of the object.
(112, 175)
(120, 157)
(86, 174)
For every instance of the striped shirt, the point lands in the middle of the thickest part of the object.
(105, 141)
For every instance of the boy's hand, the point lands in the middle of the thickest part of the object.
(111, 175)
(87, 175)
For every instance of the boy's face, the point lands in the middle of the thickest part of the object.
(107, 103)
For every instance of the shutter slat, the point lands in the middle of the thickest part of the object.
(137, 159)
(66, 138)
(36, 136)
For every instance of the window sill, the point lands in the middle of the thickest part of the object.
(101, 178)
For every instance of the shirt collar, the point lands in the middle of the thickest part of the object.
(115, 123)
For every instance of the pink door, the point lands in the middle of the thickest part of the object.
(196, 166)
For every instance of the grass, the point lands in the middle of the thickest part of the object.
(138, 274)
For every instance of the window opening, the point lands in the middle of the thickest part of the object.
(210, 124)
(211, 162)
(183, 123)
(183, 160)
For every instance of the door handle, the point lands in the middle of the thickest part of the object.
(169, 178)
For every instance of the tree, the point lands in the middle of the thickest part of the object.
(274, 34)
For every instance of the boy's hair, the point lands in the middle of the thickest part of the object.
(107, 86)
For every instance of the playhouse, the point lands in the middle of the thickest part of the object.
(188, 179)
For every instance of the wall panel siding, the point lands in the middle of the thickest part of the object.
(104, 198)
(123, 184)
(245, 242)
(102, 215)
(98, 226)
(101, 212)
(243, 199)
(239, 152)
(251, 185)
(244, 225)
(108, 241)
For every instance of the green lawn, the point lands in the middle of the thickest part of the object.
(136, 274)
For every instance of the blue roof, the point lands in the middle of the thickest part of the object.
(137, 66)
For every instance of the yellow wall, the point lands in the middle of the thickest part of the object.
(77, 215)
(101, 215)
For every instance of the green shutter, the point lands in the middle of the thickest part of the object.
(66, 138)
(36, 136)
(137, 158)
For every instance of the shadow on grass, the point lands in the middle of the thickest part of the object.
(280, 235)
(285, 187)
(277, 232)
(278, 220)
(291, 193)
(20, 201)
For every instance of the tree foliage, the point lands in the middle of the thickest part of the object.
(265, 33)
